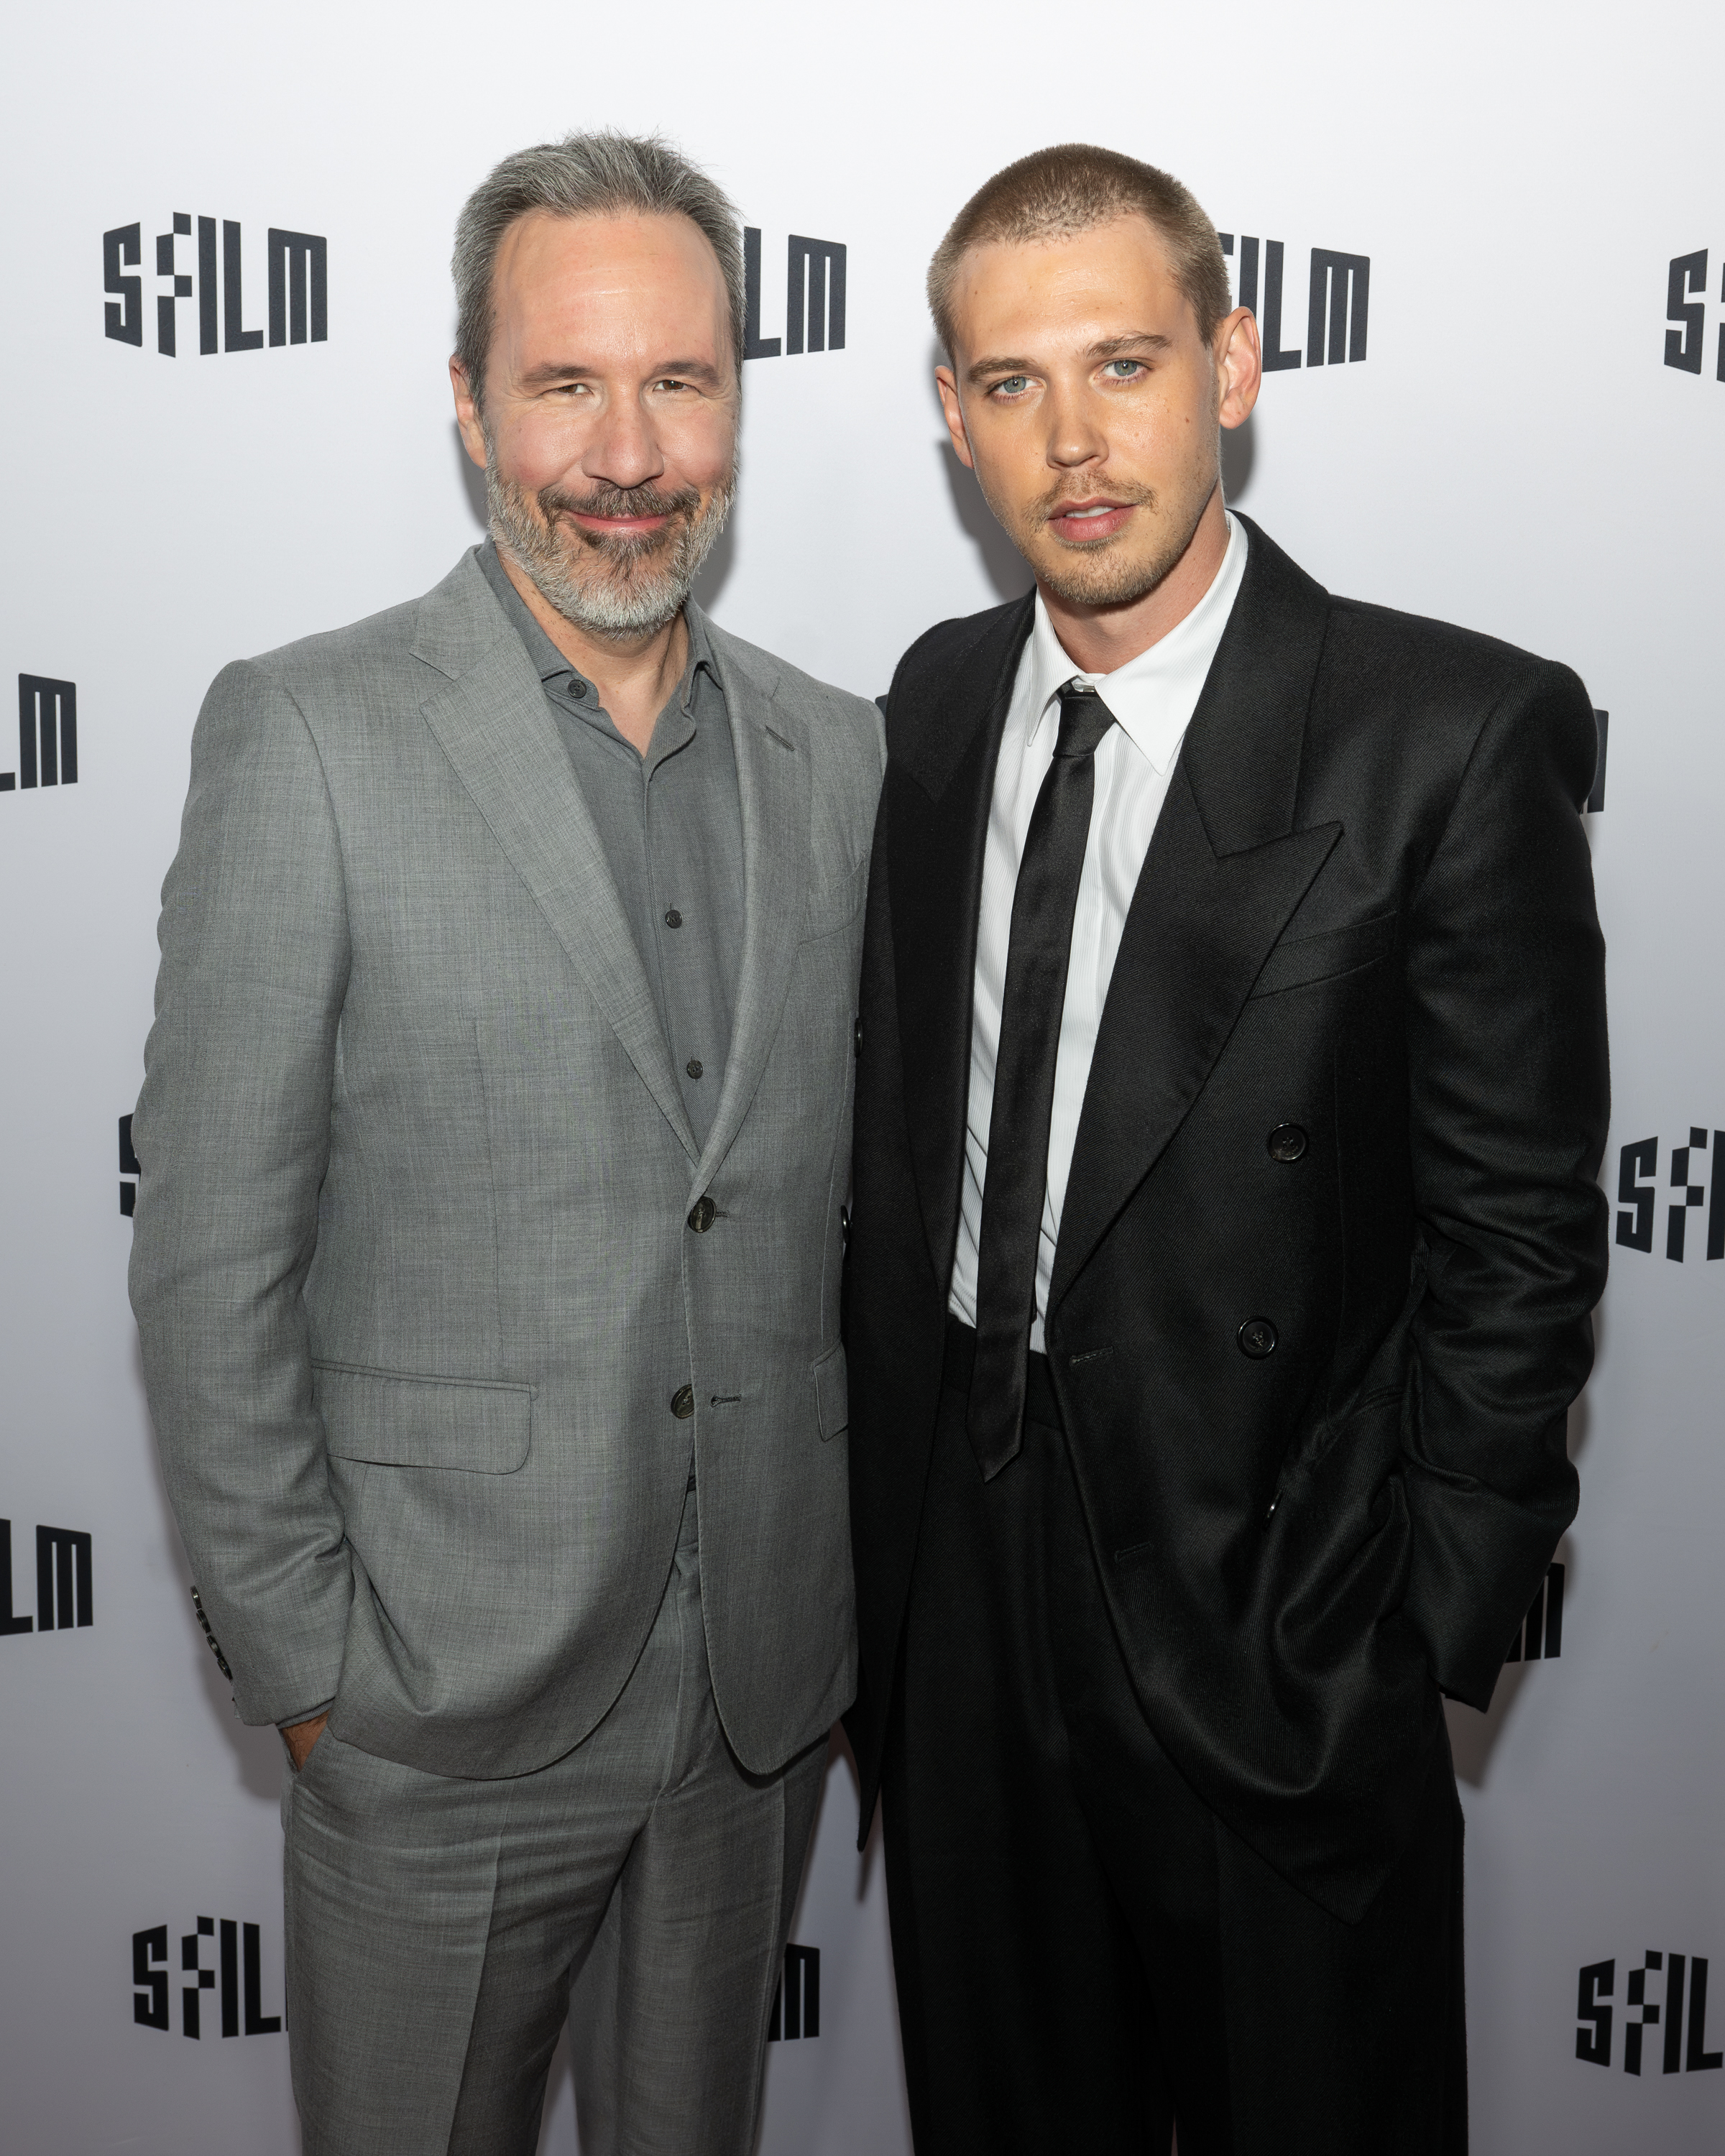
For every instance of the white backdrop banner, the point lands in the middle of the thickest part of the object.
(1487, 246)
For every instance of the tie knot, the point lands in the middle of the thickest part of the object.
(1085, 718)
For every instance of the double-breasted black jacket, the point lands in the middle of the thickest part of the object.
(1365, 924)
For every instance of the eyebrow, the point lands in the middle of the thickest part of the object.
(1106, 348)
(691, 370)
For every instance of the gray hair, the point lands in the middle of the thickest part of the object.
(602, 175)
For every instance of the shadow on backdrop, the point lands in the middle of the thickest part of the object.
(1237, 455)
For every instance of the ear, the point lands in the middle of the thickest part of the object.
(1240, 365)
(946, 383)
(467, 413)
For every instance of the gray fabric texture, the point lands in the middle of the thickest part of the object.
(415, 1270)
(436, 1928)
(670, 823)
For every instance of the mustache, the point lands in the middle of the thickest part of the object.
(646, 500)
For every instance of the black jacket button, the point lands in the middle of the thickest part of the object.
(1286, 1141)
(1257, 1338)
(683, 1403)
(702, 1213)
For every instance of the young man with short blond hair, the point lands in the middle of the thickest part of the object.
(1232, 1087)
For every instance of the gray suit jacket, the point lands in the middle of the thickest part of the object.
(415, 1271)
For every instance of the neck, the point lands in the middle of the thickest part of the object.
(1100, 640)
(634, 676)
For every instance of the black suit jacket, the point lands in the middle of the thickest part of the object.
(1367, 910)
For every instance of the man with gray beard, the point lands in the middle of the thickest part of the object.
(495, 1132)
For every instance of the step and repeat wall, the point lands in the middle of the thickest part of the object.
(1486, 247)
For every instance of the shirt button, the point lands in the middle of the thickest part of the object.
(702, 1213)
(1257, 1338)
(673, 919)
(1286, 1141)
(683, 1403)
(693, 1067)
(578, 688)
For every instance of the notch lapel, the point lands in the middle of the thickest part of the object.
(491, 721)
(774, 782)
(1226, 867)
(942, 745)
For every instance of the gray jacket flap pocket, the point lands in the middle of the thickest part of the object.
(397, 1419)
(1298, 964)
(832, 1393)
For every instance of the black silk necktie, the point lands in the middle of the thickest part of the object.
(1037, 955)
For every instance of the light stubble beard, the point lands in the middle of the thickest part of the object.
(615, 586)
(1104, 575)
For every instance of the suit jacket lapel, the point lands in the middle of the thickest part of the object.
(774, 781)
(942, 742)
(492, 722)
(1226, 870)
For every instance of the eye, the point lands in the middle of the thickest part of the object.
(1015, 385)
(1123, 370)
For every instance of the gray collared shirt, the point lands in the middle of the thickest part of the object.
(670, 822)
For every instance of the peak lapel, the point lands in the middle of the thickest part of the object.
(492, 723)
(774, 782)
(942, 743)
(1226, 870)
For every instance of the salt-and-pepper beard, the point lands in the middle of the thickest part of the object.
(612, 585)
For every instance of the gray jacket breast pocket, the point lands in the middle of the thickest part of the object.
(834, 906)
(394, 1419)
(1304, 960)
(831, 1395)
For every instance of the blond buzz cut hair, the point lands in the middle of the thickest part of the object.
(1053, 194)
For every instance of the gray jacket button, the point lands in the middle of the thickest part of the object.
(702, 1213)
(683, 1403)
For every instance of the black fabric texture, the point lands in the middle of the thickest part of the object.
(1086, 1954)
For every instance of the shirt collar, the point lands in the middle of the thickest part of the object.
(550, 664)
(1153, 695)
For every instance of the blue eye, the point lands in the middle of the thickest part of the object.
(1014, 383)
(1130, 367)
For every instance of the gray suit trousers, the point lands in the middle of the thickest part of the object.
(439, 1930)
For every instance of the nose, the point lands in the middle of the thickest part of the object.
(623, 450)
(1074, 437)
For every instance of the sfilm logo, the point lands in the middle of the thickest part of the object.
(1540, 1637)
(1638, 1190)
(239, 1956)
(63, 1587)
(47, 735)
(1338, 294)
(1597, 1985)
(814, 296)
(298, 285)
(796, 2003)
(1686, 294)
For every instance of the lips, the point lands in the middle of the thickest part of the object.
(1079, 523)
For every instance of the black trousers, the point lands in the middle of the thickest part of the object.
(1086, 1955)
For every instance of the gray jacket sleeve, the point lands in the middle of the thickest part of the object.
(231, 1136)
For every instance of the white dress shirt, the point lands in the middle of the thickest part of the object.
(1153, 698)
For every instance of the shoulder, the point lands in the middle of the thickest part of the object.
(403, 649)
(841, 727)
(1457, 684)
(951, 646)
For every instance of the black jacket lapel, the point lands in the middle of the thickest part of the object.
(943, 737)
(1226, 870)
